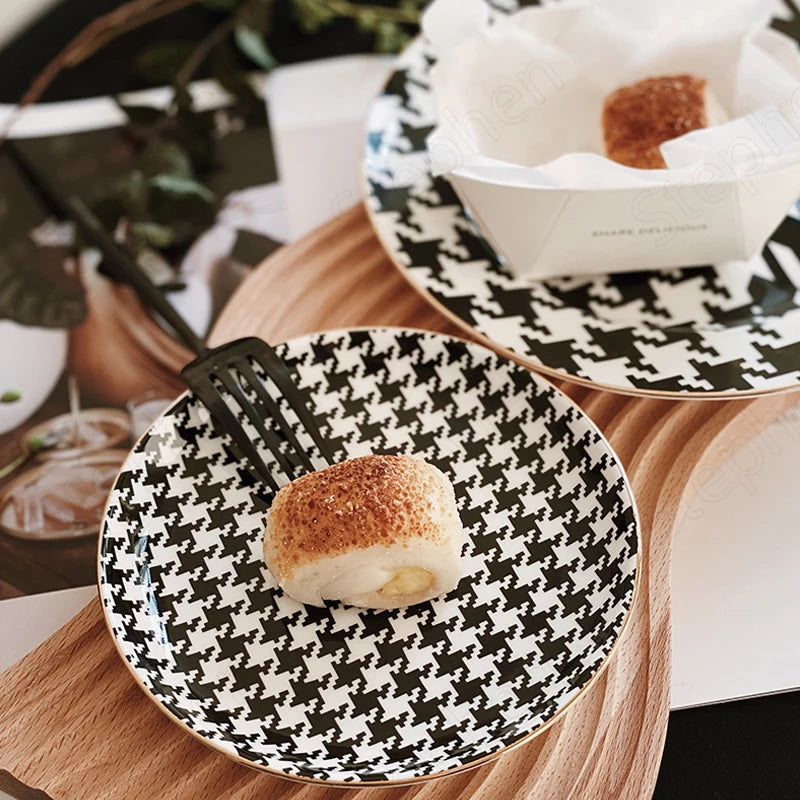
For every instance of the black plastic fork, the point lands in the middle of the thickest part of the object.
(227, 368)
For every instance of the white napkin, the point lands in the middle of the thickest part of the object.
(563, 61)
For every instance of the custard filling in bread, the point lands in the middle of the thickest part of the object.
(408, 580)
(376, 532)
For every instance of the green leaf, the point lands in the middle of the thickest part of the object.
(35, 290)
(312, 15)
(151, 232)
(136, 194)
(252, 44)
(10, 396)
(232, 77)
(143, 116)
(160, 61)
(176, 185)
(166, 157)
(187, 216)
(390, 37)
(367, 20)
(194, 132)
(184, 206)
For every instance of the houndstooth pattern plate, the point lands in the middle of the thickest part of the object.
(353, 696)
(704, 331)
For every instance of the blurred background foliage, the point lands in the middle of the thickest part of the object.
(164, 202)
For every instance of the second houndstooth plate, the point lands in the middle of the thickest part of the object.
(350, 696)
(723, 331)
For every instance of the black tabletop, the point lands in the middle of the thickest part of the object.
(743, 750)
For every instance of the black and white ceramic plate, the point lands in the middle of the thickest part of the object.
(701, 332)
(352, 696)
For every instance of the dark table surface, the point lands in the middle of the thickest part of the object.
(743, 750)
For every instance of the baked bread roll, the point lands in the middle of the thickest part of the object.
(376, 532)
(637, 119)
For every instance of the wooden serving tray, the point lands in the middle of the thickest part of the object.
(75, 724)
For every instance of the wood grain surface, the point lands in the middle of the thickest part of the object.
(75, 724)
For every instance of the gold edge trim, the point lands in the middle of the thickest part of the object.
(529, 363)
(420, 778)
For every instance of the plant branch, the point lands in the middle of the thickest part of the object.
(188, 69)
(343, 8)
(96, 35)
(202, 51)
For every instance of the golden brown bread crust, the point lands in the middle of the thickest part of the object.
(377, 499)
(638, 118)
